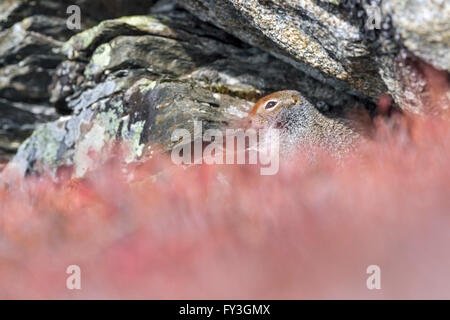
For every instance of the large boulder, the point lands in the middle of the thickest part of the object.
(367, 46)
(319, 38)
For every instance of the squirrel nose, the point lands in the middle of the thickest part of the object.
(255, 124)
(246, 123)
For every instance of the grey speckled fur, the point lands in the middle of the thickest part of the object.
(304, 127)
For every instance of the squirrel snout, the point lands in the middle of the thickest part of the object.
(255, 124)
(250, 123)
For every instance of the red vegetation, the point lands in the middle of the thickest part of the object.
(226, 232)
(155, 230)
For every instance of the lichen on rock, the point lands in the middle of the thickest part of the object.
(135, 78)
(141, 77)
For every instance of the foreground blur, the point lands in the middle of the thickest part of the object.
(160, 231)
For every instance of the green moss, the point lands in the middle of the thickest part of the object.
(100, 59)
(45, 140)
(93, 140)
(136, 133)
(144, 23)
(249, 95)
(146, 85)
(83, 40)
(132, 137)
(110, 121)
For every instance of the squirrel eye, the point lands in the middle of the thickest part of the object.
(271, 104)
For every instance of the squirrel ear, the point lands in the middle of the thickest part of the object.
(296, 99)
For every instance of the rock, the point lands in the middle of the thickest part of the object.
(136, 79)
(28, 80)
(424, 27)
(318, 38)
(93, 11)
(17, 122)
(28, 58)
(31, 35)
(420, 43)
(18, 42)
(367, 46)
(141, 117)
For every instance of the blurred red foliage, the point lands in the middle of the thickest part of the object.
(154, 230)
(161, 231)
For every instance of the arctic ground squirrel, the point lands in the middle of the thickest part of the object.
(302, 125)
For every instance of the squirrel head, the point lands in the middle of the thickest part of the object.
(300, 123)
(268, 110)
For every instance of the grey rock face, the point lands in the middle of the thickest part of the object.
(424, 27)
(137, 79)
(315, 37)
(331, 40)
(421, 32)
(94, 11)
(31, 35)
(28, 58)
(17, 122)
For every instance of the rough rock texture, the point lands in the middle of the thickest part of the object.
(12, 11)
(31, 36)
(420, 33)
(424, 27)
(17, 121)
(138, 78)
(316, 37)
(330, 40)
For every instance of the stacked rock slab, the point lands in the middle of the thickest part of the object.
(31, 35)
